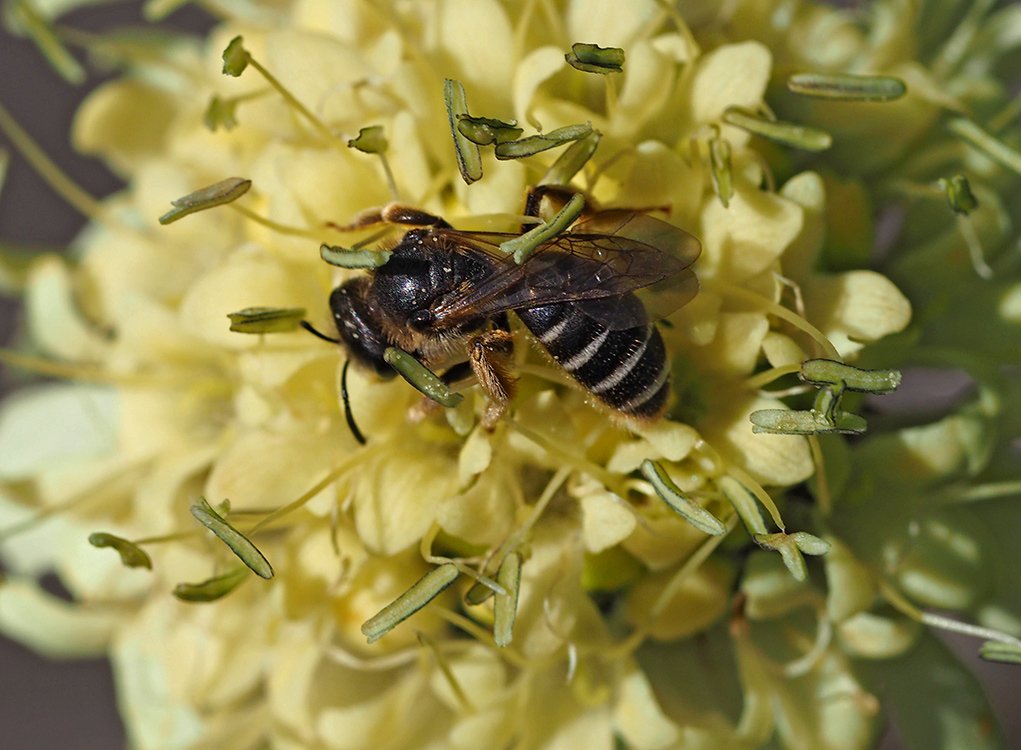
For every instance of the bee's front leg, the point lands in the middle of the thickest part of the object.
(489, 355)
(391, 213)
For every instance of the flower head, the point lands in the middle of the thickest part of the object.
(542, 580)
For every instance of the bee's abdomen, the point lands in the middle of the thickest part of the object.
(626, 369)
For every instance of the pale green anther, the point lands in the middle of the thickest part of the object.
(486, 131)
(239, 544)
(131, 554)
(221, 113)
(224, 191)
(992, 147)
(789, 553)
(427, 588)
(235, 57)
(787, 133)
(213, 588)
(719, 160)
(370, 140)
(478, 593)
(266, 319)
(591, 58)
(809, 543)
(493, 585)
(505, 608)
(848, 87)
(744, 503)
(671, 494)
(811, 422)
(23, 16)
(469, 160)
(569, 163)
(827, 372)
(827, 402)
(1008, 653)
(420, 377)
(523, 245)
(958, 192)
(535, 144)
(344, 257)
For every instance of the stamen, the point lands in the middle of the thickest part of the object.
(485, 131)
(239, 544)
(371, 140)
(992, 147)
(236, 58)
(822, 482)
(591, 58)
(805, 663)
(536, 144)
(719, 160)
(975, 252)
(759, 380)
(671, 494)
(611, 481)
(750, 485)
(276, 226)
(569, 163)
(999, 646)
(825, 372)
(744, 503)
(51, 174)
(22, 16)
(469, 160)
(958, 192)
(786, 133)
(447, 672)
(847, 87)
(344, 257)
(266, 319)
(217, 194)
(772, 308)
(523, 246)
(212, 588)
(131, 554)
(506, 605)
(420, 377)
(423, 591)
(314, 490)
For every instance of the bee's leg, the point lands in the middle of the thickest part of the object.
(555, 197)
(395, 213)
(489, 355)
(391, 213)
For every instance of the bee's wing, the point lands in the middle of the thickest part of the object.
(598, 265)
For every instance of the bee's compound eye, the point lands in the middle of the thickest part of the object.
(421, 319)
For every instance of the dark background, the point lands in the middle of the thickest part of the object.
(46, 704)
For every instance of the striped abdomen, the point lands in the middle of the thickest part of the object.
(626, 370)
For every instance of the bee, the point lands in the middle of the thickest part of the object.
(590, 297)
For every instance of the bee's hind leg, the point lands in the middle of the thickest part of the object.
(489, 355)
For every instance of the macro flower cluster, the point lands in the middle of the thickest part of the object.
(723, 577)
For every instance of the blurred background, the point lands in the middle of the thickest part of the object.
(46, 704)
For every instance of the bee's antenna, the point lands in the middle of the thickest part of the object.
(352, 425)
(319, 335)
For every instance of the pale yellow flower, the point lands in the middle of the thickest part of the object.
(627, 624)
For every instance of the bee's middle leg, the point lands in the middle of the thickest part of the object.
(489, 355)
